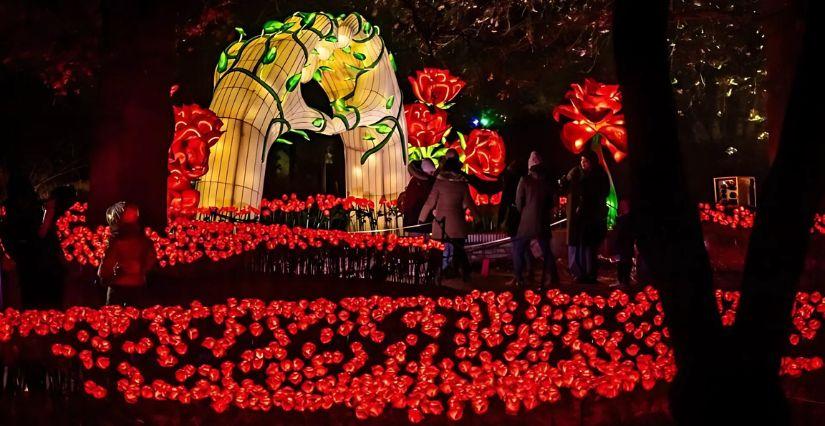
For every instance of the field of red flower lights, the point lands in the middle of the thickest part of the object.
(440, 212)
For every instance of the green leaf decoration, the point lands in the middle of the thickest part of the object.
(308, 19)
(339, 105)
(271, 27)
(318, 122)
(331, 39)
(346, 49)
(447, 133)
(317, 75)
(287, 26)
(240, 31)
(368, 138)
(270, 55)
(447, 106)
(302, 133)
(314, 51)
(440, 151)
(360, 56)
(366, 27)
(390, 101)
(383, 128)
(461, 140)
(292, 82)
(283, 141)
(354, 68)
(392, 62)
(223, 62)
(324, 68)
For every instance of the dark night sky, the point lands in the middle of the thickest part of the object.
(49, 133)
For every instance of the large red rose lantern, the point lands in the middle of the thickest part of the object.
(595, 123)
(197, 129)
(425, 128)
(482, 152)
(593, 110)
(435, 86)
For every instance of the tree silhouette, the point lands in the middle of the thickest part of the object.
(721, 378)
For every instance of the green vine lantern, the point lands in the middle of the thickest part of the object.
(257, 93)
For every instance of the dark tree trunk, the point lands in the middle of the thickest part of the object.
(134, 120)
(779, 241)
(669, 234)
(783, 24)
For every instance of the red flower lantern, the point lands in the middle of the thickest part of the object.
(482, 153)
(425, 128)
(593, 110)
(435, 86)
(196, 130)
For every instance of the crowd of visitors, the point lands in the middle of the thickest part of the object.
(437, 201)
(525, 214)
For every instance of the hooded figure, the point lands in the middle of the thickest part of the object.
(534, 200)
(588, 187)
(415, 195)
(448, 200)
(130, 255)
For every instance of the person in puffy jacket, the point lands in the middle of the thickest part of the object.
(448, 201)
(128, 258)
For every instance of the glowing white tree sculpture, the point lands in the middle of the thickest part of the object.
(258, 97)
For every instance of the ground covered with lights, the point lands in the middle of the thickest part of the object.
(448, 356)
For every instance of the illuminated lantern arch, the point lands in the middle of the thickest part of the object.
(257, 94)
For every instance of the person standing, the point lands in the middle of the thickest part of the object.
(588, 187)
(19, 233)
(508, 215)
(415, 195)
(448, 200)
(625, 243)
(51, 258)
(128, 258)
(534, 202)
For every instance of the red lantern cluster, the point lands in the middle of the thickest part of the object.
(593, 110)
(197, 129)
(186, 241)
(436, 357)
(293, 204)
(736, 217)
(733, 217)
(484, 199)
(482, 151)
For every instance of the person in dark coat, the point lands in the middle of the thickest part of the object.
(508, 215)
(24, 214)
(588, 187)
(625, 243)
(51, 259)
(534, 201)
(415, 195)
(448, 200)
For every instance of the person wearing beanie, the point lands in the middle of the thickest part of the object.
(587, 186)
(410, 202)
(534, 200)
